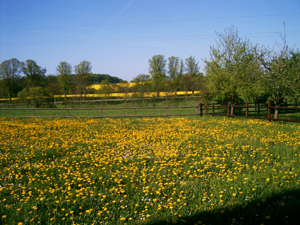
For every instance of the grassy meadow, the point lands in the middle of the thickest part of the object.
(192, 170)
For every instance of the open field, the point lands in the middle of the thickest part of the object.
(208, 170)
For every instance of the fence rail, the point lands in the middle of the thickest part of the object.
(101, 109)
(231, 107)
(201, 109)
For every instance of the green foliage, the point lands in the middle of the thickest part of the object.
(35, 75)
(281, 74)
(175, 71)
(233, 71)
(64, 70)
(83, 76)
(97, 78)
(36, 96)
(142, 86)
(106, 88)
(157, 71)
(9, 73)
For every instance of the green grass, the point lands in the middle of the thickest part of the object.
(192, 170)
(115, 111)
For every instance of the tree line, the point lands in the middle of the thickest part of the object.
(236, 71)
(28, 81)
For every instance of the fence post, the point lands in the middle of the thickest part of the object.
(201, 109)
(269, 111)
(228, 109)
(101, 110)
(247, 111)
(134, 109)
(166, 109)
(33, 111)
(68, 112)
(213, 109)
(258, 109)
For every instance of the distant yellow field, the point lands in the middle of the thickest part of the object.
(128, 95)
(114, 86)
(118, 95)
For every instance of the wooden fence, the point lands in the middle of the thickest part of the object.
(201, 109)
(101, 109)
(230, 111)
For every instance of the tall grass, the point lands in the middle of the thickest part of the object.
(149, 171)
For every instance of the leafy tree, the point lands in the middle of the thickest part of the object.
(157, 71)
(281, 73)
(192, 68)
(175, 71)
(186, 83)
(9, 73)
(233, 72)
(293, 67)
(141, 86)
(83, 76)
(35, 75)
(64, 70)
(36, 96)
(106, 88)
(205, 91)
(53, 85)
(124, 88)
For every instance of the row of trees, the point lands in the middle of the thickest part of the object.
(27, 79)
(237, 71)
(39, 87)
(174, 76)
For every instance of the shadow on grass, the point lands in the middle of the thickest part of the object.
(280, 208)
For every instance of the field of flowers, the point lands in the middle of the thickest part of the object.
(149, 171)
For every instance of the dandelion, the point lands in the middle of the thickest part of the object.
(89, 211)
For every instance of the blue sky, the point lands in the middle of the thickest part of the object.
(119, 37)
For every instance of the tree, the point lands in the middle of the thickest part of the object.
(83, 76)
(157, 71)
(175, 71)
(277, 73)
(9, 73)
(233, 72)
(35, 75)
(64, 70)
(192, 68)
(186, 83)
(53, 85)
(293, 65)
(106, 88)
(37, 96)
(141, 86)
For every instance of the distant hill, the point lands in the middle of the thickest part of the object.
(97, 78)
